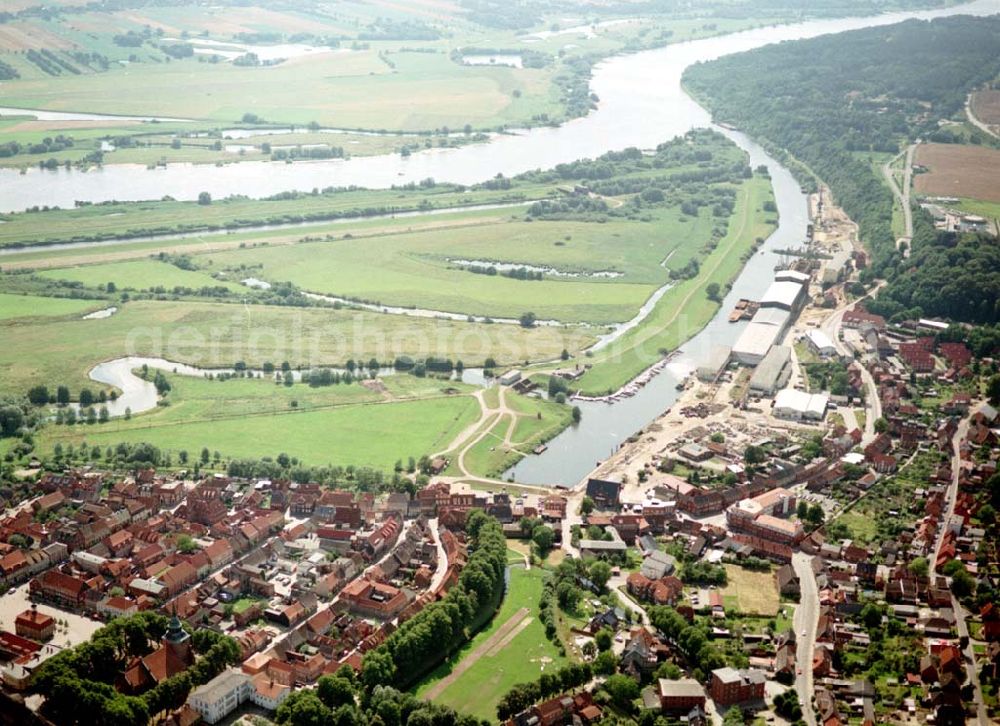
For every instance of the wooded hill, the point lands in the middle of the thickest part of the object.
(826, 99)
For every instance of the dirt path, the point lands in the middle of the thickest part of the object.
(486, 648)
(902, 195)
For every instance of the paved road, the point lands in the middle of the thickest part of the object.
(806, 615)
(617, 586)
(970, 663)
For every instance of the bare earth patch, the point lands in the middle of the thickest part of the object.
(959, 171)
(986, 107)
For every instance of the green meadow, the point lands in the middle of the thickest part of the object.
(374, 435)
(30, 306)
(217, 335)
(521, 658)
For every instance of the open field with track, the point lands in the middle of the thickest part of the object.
(216, 335)
(972, 172)
(511, 649)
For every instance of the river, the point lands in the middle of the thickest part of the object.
(633, 112)
(641, 104)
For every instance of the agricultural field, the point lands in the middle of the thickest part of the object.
(511, 649)
(416, 269)
(972, 172)
(986, 107)
(25, 306)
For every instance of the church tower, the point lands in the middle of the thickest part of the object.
(178, 641)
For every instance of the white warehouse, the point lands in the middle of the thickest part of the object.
(764, 330)
(800, 406)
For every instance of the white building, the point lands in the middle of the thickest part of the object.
(716, 362)
(773, 372)
(222, 695)
(765, 329)
(800, 406)
(784, 294)
(820, 343)
(836, 267)
(267, 693)
(510, 378)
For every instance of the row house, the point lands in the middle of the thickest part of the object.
(375, 544)
(60, 589)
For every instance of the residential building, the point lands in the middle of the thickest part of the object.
(680, 696)
(731, 686)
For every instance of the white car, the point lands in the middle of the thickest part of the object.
(804, 633)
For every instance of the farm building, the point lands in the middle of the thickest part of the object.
(800, 406)
(717, 360)
(820, 343)
(773, 371)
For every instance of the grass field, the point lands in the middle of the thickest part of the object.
(537, 421)
(412, 269)
(754, 593)
(685, 308)
(216, 335)
(502, 663)
(342, 88)
(373, 434)
(24, 306)
(989, 210)
(108, 221)
(139, 275)
(959, 171)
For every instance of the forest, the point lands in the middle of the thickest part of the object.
(828, 100)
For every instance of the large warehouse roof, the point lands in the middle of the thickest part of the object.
(806, 405)
(755, 340)
(782, 293)
(765, 378)
(792, 276)
(772, 316)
